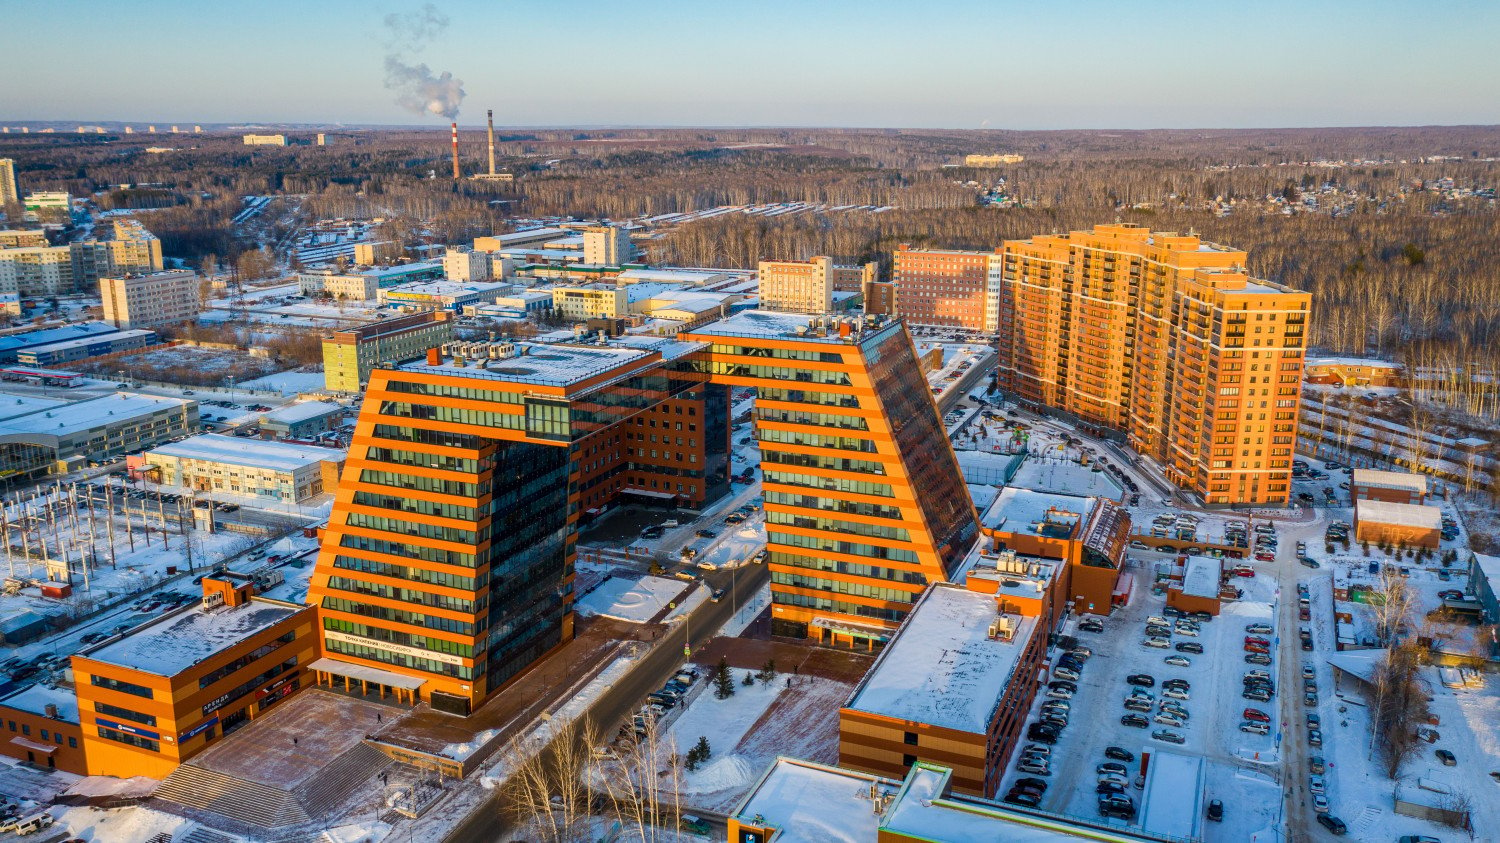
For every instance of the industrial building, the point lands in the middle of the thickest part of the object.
(376, 253)
(13, 344)
(243, 466)
(857, 472)
(995, 160)
(44, 434)
(1161, 337)
(68, 351)
(349, 356)
(1368, 484)
(463, 264)
(364, 284)
(444, 295)
(595, 301)
(149, 301)
(303, 420)
(1398, 524)
(265, 140)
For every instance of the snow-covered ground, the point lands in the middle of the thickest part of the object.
(636, 600)
(288, 383)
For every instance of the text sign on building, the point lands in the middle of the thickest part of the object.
(133, 730)
(198, 729)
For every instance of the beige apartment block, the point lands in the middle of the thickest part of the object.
(376, 252)
(147, 301)
(808, 286)
(606, 245)
(265, 140)
(463, 264)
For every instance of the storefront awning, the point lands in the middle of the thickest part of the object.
(878, 633)
(363, 673)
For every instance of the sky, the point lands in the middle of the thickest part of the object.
(961, 64)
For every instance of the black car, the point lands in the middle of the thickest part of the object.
(1201, 616)
(1108, 788)
(1216, 810)
(1188, 647)
(1062, 685)
(1023, 798)
(1119, 754)
(1042, 733)
(1333, 824)
(1135, 721)
(1141, 680)
(1177, 682)
(705, 534)
(1031, 784)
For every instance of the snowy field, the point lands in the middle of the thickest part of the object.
(288, 383)
(635, 600)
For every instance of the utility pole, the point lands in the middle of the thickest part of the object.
(109, 521)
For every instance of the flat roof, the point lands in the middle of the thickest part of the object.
(89, 414)
(1352, 361)
(813, 803)
(37, 697)
(44, 336)
(1400, 514)
(176, 642)
(12, 406)
(1390, 479)
(248, 452)
(769, 324)
(542, 364)
(1172, 803)
(1201, 576)
(1019, 510)
(1066, 477)
(941, 667)
(88, 341)
(303, 411)
(683, 276)
(446, 288)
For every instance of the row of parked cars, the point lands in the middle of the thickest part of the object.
(659, 702)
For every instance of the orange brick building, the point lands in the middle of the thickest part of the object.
(1162, 337)
(947, 289)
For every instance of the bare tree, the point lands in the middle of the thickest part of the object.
(1400, 705)
(547, 791)
(1393, 605)
(642, 786)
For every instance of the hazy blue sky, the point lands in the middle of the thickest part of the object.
(1023, 64)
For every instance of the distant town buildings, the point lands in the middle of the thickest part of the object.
(349, 356)
(1164, 338)
(9, 194)
(364, 284)
(42, 270)
(265, 140)
(995, 160)
(149, 301)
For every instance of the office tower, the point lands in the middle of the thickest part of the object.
(809, 286)
(9, 195)
(146, 301)
(1165, 338)
(448, 556)
(947, 289)
(606, 245)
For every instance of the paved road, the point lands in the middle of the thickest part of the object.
(488, 823)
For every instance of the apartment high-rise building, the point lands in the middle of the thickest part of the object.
(448, 556)
(260, 140)
(1165, 338)
(349, 356)
(948, 289)
(606, 245)
(19, 238)
(146, 301)
(376, 252)
(132, 249)
(9, 194)
(464, 264)
(808, 286)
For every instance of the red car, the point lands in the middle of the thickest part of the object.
(1242, 571)
(1260, 642)
(1451, 594)
(1265, 557)
(1256, 715)
(1256, 648)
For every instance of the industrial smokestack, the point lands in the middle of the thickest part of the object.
(455, 150)
(490, 113)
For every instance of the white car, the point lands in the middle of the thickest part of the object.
(1191, 631)
(1158, 643)
(1317, 784)
(1178, 661)
(1176, 694)
(1320, 803)
(1255, 728)
(1168, 719)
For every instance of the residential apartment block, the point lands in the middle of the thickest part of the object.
(376, 252)
(463, 264)
(147, 301)
(41, 270)
(349, 356)
(1165, 338)
(17, 238)
(606, 245)
(808, 286)
(265, 140)
(449, 552)
(593, 301)
(9, 195)
(947, 289)
(365, 284)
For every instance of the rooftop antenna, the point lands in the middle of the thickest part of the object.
(490, 113)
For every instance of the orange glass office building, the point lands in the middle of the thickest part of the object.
(1163, 337)
(449, 554)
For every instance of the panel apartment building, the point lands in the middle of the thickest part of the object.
(349, 356)
(1163, 337)
(449, 553)
(149, 301)
(808, 286)
(947, 289)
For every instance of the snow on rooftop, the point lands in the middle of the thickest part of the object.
(303, 411)
(83, 341)
(774, 324)
(12, 406)
(254, 453)
(178, 641)
(1018, 510)
(942, 668)
(120, 408)
(680, 276)
(1172, 803)
(1351, 361)
(983, 495)
(543, 364)
(46, 336)
(1390, 479)
(444, 288)
(1489, 567)
(922, 811)
(1201, 575)
(811, 803)
(1399, 514)
(36, 698)
(1053, 474)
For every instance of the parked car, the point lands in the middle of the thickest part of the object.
(1333, 824)
(1141, 680)
(1168, 736)
(1447, 758)
(1119, 754)
(1216, 810)
(1178, 661)
(1135, 721)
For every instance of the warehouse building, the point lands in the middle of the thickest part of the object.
(301, 421)
(14, 344)
(243, 466)
(70, 351)
(1367, 484)
(1400, 524)
(40, 434)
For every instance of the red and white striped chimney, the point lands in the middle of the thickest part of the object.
(455, 150)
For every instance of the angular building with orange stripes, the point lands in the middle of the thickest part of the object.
(1163, 337)
(449, 553)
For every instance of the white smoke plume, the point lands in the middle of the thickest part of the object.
(417, 88)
